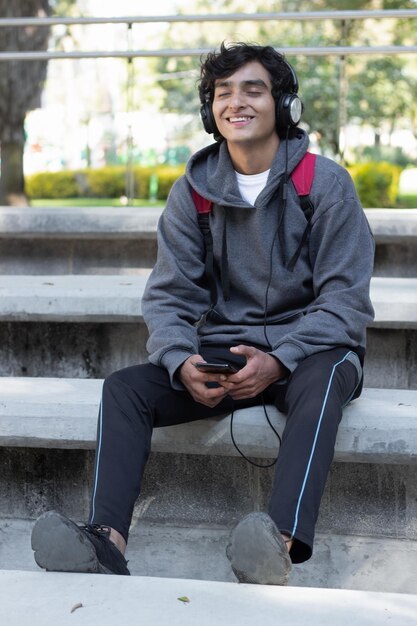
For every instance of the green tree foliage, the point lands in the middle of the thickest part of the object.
(382, 89)
(334, 90)
(381, 92)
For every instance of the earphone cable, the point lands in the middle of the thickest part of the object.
(283, 187)
(266, 465)
(271, 254)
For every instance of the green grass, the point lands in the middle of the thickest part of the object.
(85, 202)
(407, 201)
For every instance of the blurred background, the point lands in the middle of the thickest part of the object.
(119, 130)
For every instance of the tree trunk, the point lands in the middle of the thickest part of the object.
(21, 84)
(12, 182)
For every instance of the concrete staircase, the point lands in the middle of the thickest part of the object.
(70, 289)
(116, 240)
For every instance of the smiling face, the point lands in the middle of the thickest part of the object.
(244, 109)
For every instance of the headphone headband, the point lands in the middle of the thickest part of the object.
(293, 77)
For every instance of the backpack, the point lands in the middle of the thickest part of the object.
(302, 178)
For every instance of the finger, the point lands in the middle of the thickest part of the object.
(243, 395)
(238, 389)
(213, 393)
(227, 384)
(247, 351)
(243, 375)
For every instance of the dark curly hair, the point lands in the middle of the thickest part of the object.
(232, 57)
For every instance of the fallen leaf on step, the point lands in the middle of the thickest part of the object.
(184, 599)
(76, 606)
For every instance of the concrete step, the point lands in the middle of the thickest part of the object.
(360, 499)
(380, 427)
(198, 552)
(77, 240)
(194, 475)
(395, 232)
(387, 225)
(116, 240)
(80, 222)
(47, 599)
(89, 326)
(71, 298)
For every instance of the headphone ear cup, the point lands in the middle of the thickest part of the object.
(288, 110)
(207, 118)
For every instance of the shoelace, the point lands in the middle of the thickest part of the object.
(101, 532)
(96, 529)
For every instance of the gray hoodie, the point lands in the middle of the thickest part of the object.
(322, 303)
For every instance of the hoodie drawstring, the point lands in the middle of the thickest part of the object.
(282, 205)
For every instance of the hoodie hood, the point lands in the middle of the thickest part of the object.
(210, 171)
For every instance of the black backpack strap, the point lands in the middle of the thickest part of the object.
(225, 280)
(204, 223)
(291, 263)
(204, 208)
(307, 207)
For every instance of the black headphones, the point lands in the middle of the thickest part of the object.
(287, 112)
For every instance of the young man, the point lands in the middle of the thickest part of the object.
(286, 302)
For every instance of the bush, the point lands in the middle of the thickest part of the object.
(105, 182)
(52, 185)
(376, 183)
(142, 177)
(166, 178)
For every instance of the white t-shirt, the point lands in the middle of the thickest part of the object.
(250, 186)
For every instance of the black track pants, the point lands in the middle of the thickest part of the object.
(139, 398)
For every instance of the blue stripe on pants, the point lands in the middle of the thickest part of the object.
(314, 444)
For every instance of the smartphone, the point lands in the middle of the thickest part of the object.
(216, 368)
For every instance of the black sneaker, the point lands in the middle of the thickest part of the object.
(257, 551)
(62, 546)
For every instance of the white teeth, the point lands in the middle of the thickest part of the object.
(239, 119)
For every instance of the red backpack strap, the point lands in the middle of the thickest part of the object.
(303, 175)
(201, 204)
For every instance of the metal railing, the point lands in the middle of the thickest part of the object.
(340, 51)
(213, 17)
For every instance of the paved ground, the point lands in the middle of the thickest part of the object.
(49, 599)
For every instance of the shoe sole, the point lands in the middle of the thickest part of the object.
(257, 552)
(60, 546)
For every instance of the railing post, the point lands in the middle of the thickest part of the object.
(343, 91)
(130, 179)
